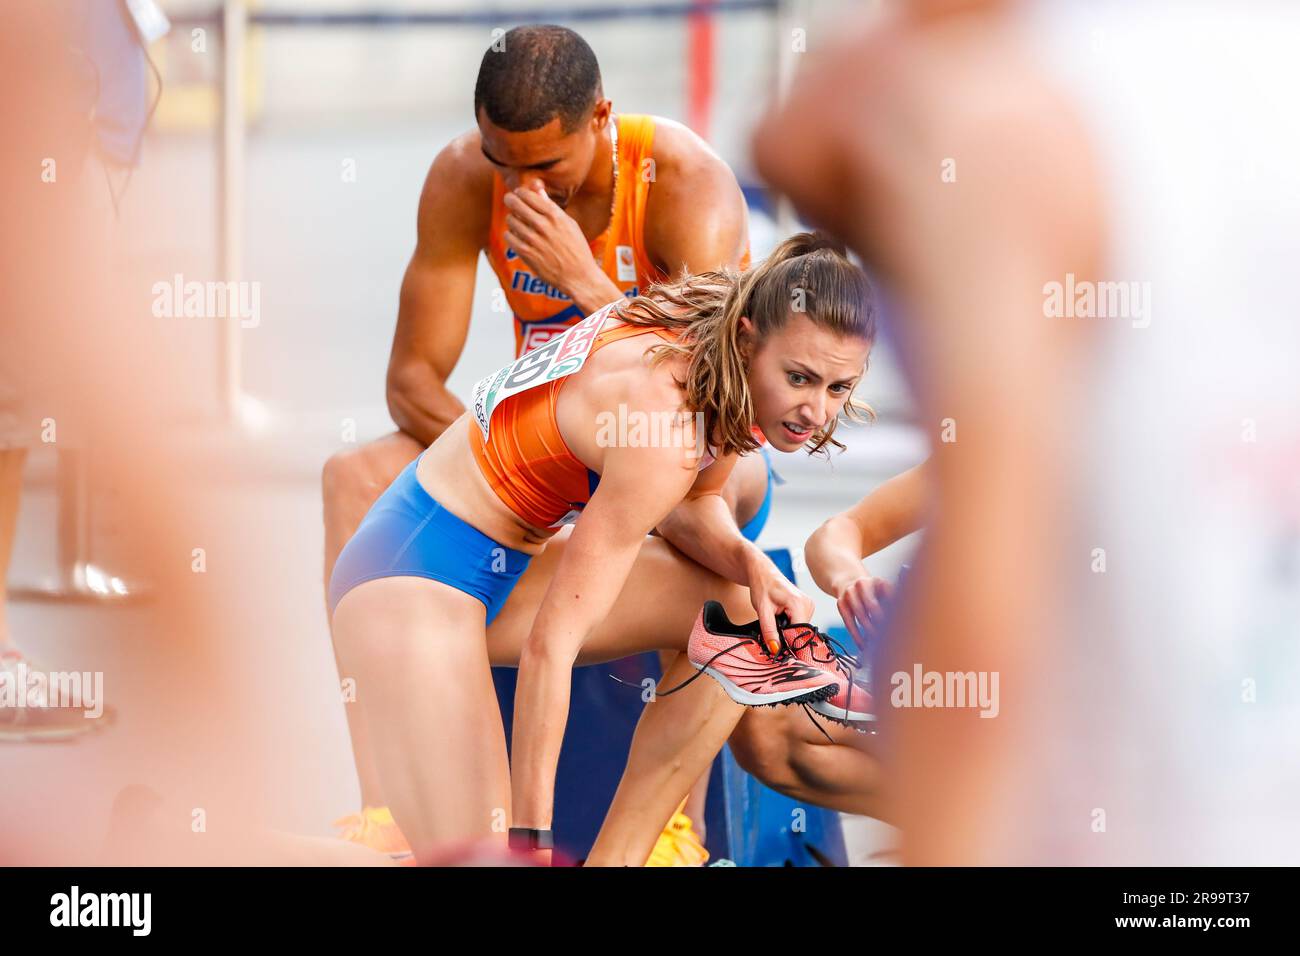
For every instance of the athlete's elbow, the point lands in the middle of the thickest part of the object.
(835, 533)
(410, 385)
(675, 531)
(542, 652)
(819, 540)
(405, 377)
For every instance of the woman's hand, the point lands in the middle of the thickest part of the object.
(639, 486)
(834, 552)
(862, 603)
(771, 593)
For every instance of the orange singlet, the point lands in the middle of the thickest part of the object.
(541, 310)
(525, 458)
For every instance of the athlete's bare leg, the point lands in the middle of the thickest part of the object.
(424, 687)
(351, 481)
(697, 800)
(676, 738)
(783, 748)
(416, 651)
(657, 609)
(744, 492)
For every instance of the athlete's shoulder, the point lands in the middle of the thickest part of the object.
(457, 191)
(461, 164)
(622, 372)
(695, 211)
(681, 151)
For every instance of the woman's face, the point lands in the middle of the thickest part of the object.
(800, 378)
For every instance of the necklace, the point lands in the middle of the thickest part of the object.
(613, 199)
(613, 140)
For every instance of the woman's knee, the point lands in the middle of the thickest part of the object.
(343, 476)
(811, 764)
(770, 746)
(761, 745)
(361, 474)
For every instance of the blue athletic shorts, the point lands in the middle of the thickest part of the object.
(408, 534)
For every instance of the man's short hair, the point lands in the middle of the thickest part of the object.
(534, 74)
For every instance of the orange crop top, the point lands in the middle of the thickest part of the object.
(525, 458)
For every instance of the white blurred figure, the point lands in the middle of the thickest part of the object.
(1180, 723)
(1148, 707)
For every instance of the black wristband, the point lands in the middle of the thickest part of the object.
(524, 838)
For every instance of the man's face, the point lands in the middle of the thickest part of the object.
(560, 161)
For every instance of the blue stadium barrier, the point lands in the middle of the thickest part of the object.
(765, 828)
(602, 717)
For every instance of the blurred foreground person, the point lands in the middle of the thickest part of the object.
(102, 65)
(178, 780)
(1093, 311)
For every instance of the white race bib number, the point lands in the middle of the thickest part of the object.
(559, 357)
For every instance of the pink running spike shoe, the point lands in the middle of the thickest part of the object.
(852, 704)
(736, 656)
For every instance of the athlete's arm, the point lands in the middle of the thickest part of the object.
(696, 219)
(638, 486)
(703, 527)
(835, 551)
(438, 291)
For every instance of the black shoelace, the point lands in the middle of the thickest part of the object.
(847, 663)
(810, 636)
(784, 654)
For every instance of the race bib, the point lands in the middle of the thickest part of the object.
(559, 357)
(535, 336)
